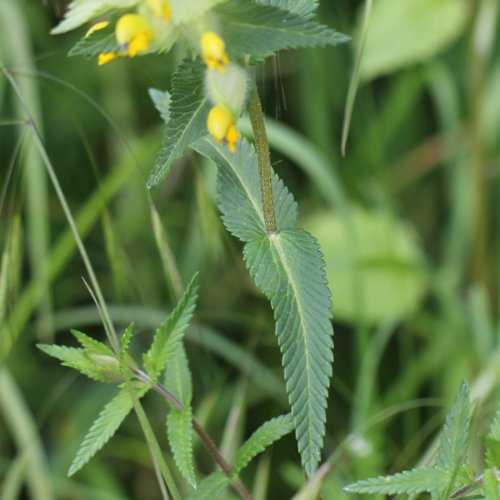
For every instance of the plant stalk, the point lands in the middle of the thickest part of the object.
(264, 161)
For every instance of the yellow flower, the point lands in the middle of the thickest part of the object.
(133, 33)
(104, 58)
(213, 50)
(220, 125)
(160, 9)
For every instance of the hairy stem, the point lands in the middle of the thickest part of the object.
(264, 161)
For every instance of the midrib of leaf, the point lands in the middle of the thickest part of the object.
(274, 239)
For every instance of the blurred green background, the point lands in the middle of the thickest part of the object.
(408, 220)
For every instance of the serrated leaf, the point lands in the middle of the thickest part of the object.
(162, 100)
(78, 359)
(288, 267)
(188, 114)
(238, 190)
(104, 427)
(258, 30)
(81, 11)
(211, 487)
(91, 345)
(492, 452)
(264, 436)
(300, 7)
(185, 12)
(126, 339)
(170, 333)
(452, 451)
(495, 427)
(491, 486)
(179, 422)
(99, 42)
(427, 479)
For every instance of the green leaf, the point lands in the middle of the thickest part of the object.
(288, 267)
(493, 442)
(162, 100)
(258, 30)
(211, 487)
(179, 422)
(81, 11)
(79, 360)
(300, 7)
(99, 42)
(104, 427)
(238, 190)
(169, 335)
(410, 31)
(188, 116)
(427, 479)
(264, 436)
(491, 486)
(91, 345)
(452, 451)
(126, 339)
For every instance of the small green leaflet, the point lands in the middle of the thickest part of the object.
(188, 116)
(238, 190)
(427, 479)
(211, 487)
(104, 427)
(161, 99)
(258, 30)
(264, 436)
(98, 42)
(289, 268)
(81, 11)
(179, 422)
(452, 451)
(169, 335)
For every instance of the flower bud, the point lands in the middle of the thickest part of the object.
(229, 88)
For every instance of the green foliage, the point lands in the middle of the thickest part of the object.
(448, 474)
(452, 451)
(162, 101)
(104, 427)
(169, 335)
(211, 487)
(493, 443)
(238, 191)
(179, 422)
(100, 41)
(263, 437)
(186, 12)
(391, 45)
(491, 485)
(188, 115)
(300, 7)
(258, 30)
(81, 11)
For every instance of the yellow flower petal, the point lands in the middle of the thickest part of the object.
(220, 125)
(213, 50)
(133, 33)
(105, 58)
(160, 9)
(96, 27)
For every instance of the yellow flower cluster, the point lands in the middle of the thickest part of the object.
(220, 120)
(133, 32)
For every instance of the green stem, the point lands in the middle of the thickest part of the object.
(154, 446)
(264, 161)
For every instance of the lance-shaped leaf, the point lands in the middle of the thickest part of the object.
(238, 190)
(188, 115)
(81, 11)
(289, 268)
(301, 7)
(211, 487)
(104, 427)
(452, 451)
(169, 335)
(426, 479)
(179, 422)
(264, 436)
(258, 30)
